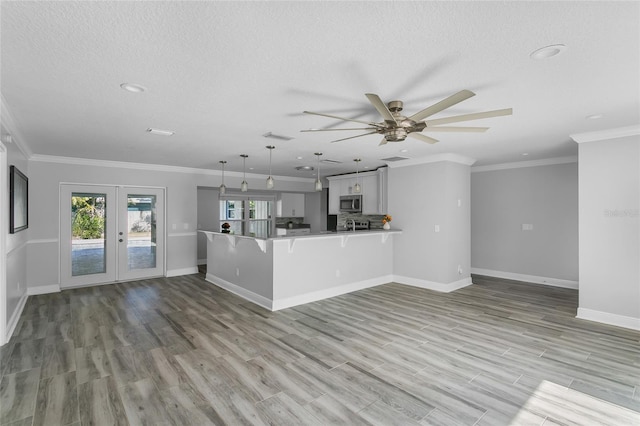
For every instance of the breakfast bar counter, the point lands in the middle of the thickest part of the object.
(281, 272)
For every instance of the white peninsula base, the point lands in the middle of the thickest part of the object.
(278, 273)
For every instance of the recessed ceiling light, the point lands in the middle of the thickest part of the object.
(404, 150)
(525, 153)
(305, 168)
(160, 132)
(548, 51)
(132, 87)
(298, 158)
(594, 116)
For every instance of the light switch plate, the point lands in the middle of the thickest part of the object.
(527, 227)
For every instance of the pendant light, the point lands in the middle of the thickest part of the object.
(318, 182)
(270, 182)
(222, 188)
(356, 187)
(244, 186)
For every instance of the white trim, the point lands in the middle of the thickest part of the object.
(43, 289)
(239, 291)
(183, 234)
(454, 158)
(602, 135)
(554, 282)
(15, 317)
(520, 164)
(155, 167)
(4, 197)
(19, 247)
(329, 292)
(44, 241)
(10, 125)
(431, 285)
(608, 318)
(183, 271)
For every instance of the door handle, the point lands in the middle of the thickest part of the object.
(120, 240)
(119, 233)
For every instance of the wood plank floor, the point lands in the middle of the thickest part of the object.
(181, 351)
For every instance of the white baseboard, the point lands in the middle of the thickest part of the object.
(43, 289)
(239, 291)
(555, 282)
(608, 318)
(183, 271)
(431, 285)
(15, 317)
(289, 302)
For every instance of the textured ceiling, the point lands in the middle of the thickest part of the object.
(221, 74)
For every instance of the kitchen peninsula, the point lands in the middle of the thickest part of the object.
(281, 272)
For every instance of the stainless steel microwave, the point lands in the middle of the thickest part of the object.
(351, 203)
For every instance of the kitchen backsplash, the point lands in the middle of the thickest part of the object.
(285, 220)
(375, 220)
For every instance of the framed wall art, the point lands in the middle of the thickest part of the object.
(18, 200)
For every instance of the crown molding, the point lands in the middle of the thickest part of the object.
(451, 157)
(155, 167)
(602, 135)
(530, 163)
(9, 123)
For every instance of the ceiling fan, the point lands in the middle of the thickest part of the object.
(395, 127)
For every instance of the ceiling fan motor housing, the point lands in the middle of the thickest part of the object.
(395, 134)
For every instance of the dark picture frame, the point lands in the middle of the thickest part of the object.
(18, 200)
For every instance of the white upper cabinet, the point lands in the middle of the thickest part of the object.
(290, 205)
(374, 191)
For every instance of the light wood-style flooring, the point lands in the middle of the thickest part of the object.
(180, 351)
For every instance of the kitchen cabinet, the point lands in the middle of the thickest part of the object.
(290, 205)
(374, 190)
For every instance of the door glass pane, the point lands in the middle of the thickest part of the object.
(88, 230)
(141, 231)
(259, 218)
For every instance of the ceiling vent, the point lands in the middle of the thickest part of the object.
(331, 161)
(279, 137)
(390, 159)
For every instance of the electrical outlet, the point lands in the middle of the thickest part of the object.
(436, 228)
(237, 272)
(527, 227)
(337, 273)
(459, 269)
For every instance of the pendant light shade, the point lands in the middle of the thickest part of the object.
(244, 186)
(222, 188)
(270, 182)
(318, 182)
(356, 187)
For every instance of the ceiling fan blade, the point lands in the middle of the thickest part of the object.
(352, 137)
(383, 142)
(334, 130)
(423, 138)
(456, 129)
(467, 117)
(342, 118)
(381, 107)
(442, 105)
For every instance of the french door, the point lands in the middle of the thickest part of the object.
(110, 233)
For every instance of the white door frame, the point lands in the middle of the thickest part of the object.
(113, 273)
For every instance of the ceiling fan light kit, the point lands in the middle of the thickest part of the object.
(395, 127)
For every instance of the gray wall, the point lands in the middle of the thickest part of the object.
(420, 197)
(544, 196)
(16, 247)
(208, 218)
(610, 231)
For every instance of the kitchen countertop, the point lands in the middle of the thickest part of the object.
(341, 233)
